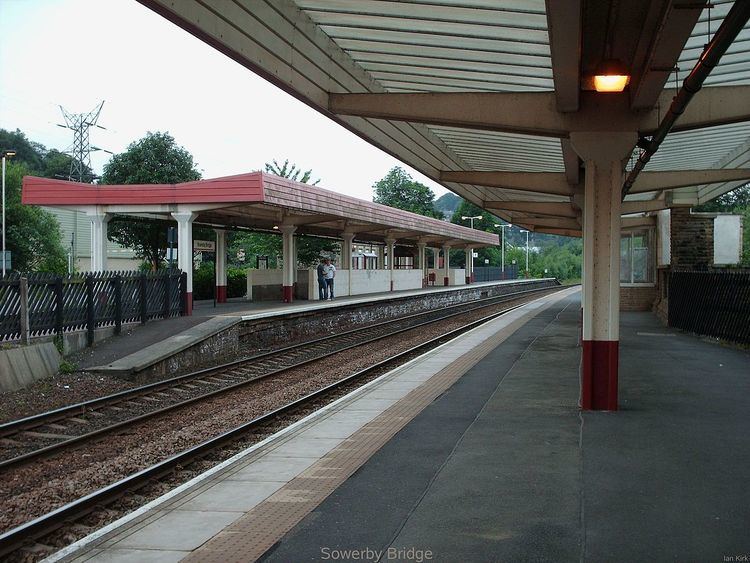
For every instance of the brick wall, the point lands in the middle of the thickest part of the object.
(637, 298)
(692, 239)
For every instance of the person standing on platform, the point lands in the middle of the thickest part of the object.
(330, 274)
(322, 284)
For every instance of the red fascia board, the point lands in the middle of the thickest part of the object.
(242, 188)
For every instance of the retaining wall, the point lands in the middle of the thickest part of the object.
(245, 338)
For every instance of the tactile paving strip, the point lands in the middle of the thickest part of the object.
(257, 531)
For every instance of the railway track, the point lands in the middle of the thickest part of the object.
(44, 525)
(24, 440)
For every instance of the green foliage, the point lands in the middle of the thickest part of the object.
(67, 367)
(399, 190)
(447, 204)
(560, 256)
(154, 159)
(731, 202)
(236, 282)
(32, 234)
(26, 151)
(40, 161)
(252, 245)
(204, 281)
(290, 171)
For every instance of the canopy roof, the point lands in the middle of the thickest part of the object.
(352, 60)
(258, 201)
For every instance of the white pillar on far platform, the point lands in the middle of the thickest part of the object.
(446, 264)
(185, 252)
(469, 252)
(99, 222)
(289, 258)
(391, 243)
(422, 247)
(221, 265)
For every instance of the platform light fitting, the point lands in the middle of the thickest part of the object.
(611, 76)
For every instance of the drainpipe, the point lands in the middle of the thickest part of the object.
(712, 53)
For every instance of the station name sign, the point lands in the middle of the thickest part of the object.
(204, 245)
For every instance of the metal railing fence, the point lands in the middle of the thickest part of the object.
(495, 273)
(40, 304)
(713, 303)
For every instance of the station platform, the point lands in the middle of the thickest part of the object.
(477, 451)
(145, 345)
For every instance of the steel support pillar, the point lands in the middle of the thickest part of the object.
(604, 156)
(446, 264)
(98, 240)
(185, 252)
(289, 261)
(221, 265)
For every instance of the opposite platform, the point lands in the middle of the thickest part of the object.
(159, 340)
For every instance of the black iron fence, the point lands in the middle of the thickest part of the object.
(40, 304)
(713, 303)
(493, 273)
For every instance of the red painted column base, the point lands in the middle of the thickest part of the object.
(287, 293)
(468, 280)
(599, 375)
(221, 294)
(446, 281)
(188, 304)
(391, 285)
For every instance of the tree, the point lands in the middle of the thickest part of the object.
(32, 234)
(291, 172)
(399, 190)
(154, 159)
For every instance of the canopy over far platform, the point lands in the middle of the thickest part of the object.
(258, 201)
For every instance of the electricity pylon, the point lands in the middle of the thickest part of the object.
(81, 149)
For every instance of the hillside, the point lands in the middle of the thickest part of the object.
(447, 204)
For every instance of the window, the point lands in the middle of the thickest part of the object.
(636, 257)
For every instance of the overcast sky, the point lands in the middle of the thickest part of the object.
(153, 76)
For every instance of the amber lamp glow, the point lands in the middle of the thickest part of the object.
(611, 76)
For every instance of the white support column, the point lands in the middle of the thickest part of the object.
(346, 250)
(469, 253)
(603, 155)
(381, 258)
(346, 256)
(289, 258)
(422, 246)
(99, 222)
(221, 265)
(185, 252)
(391, 243)
(446, 264)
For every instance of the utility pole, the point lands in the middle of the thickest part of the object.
(81, 149)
